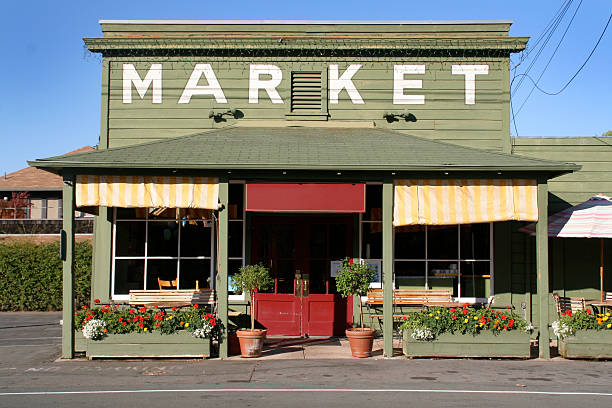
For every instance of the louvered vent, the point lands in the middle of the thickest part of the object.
(306, 92)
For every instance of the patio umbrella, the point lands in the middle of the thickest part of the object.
(591, 219)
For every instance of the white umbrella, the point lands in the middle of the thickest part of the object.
(591, 219)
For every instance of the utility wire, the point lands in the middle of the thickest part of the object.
(577, 72)
(550, 59)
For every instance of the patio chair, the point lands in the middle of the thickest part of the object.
(573, 304)
(166, 284)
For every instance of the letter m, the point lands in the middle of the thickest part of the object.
(130, 76)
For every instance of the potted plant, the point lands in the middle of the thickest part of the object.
(584, 334)
(354, 280)
(465, 332)
(249, 279)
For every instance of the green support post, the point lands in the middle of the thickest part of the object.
(68, 267)
(222, 266)
(542, 269)
(387, 266)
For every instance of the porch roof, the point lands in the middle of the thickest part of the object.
(301, 148)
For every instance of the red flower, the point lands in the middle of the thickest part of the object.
(511, 323)
(588, 311)
(140, 325)
(196, 306)
(124, 323)
(135, 319)
(454, 317)
(466, 304)
(156, 307)
(453, 310)
(157, 324)
(132, 311)
(173, 308)
(121, 318)
(504, 317)
(84, 306)
(464, 311)
(96, 300)
(505, 327)
(142, 309)
(404, 317)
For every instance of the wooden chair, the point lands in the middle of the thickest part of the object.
(166, 284)
(573, 304)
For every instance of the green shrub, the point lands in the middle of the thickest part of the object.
(31, 276)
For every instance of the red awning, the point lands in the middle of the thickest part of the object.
(323, 198)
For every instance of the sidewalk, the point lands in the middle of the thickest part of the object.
(314, 348)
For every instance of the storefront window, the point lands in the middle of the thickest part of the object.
(456, 257)
(236, 243)
(165, 244)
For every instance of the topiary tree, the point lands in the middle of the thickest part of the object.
(249, 279)
(354, 280)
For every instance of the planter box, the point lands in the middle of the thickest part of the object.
(145, 345)
(587, 344)
(486, 344)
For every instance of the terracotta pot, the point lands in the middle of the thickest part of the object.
(361, 341)
(233, 344)
(251, 342)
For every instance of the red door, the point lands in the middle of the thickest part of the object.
(298, 250)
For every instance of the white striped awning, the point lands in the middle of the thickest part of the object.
(147, 191)
(449, 202)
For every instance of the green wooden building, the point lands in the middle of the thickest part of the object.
(300, 143)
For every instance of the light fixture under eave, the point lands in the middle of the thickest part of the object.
(395, 117)
(218, 116)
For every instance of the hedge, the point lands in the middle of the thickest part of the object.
(31, 276)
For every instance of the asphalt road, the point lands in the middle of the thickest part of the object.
(31, 375)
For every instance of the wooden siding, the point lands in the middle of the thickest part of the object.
(444, 116)
(594, 154)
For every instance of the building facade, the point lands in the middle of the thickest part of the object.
(297, 144)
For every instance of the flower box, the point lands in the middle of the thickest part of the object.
(145, 345)
(485, 344)
(587, 344)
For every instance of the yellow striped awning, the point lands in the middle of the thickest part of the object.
(449, 202)
(147, 191)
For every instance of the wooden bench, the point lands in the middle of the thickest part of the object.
(412, 297)
(170, 298)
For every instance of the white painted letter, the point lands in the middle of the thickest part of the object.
(130, 76)
(192, 87)
(269, 85)
(399, 84)
(470, 72)
(343, 82)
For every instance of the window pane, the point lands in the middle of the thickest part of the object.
(284, 276)
(318, 241)
(475, 241)
(337, 241)
(371, 244)
(191, 270)
(195, 239)
(410, 242)
(443, 275)
(130, 238)
(164, 269)
(233, 268)
(131, 213)
(442, 242)
(285, 241)
(235, 239)
(318, 276)
(475, 279)
(163, 239)
(236, 200)
(410, 274)
(129, 274)
(373, 203)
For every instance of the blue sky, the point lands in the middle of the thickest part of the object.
(51, 85)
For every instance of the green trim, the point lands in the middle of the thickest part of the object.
(104, 104)
(180, 344)
(68, 268)
(587, 344)
(222, 262)
(102, 255)
(387, 266)
(542, 270)
(269, 42)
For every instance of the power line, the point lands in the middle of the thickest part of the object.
(551, 57)
(577, 72)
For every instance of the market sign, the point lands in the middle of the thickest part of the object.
(267, 77)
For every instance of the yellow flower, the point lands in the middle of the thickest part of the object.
(437, 318)
(609, 325)
(475, 317)
(608, 314)
(145, 329)
(438, 312)
(431, 314)
(465, 321)
(605, 319)
(186, 324)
